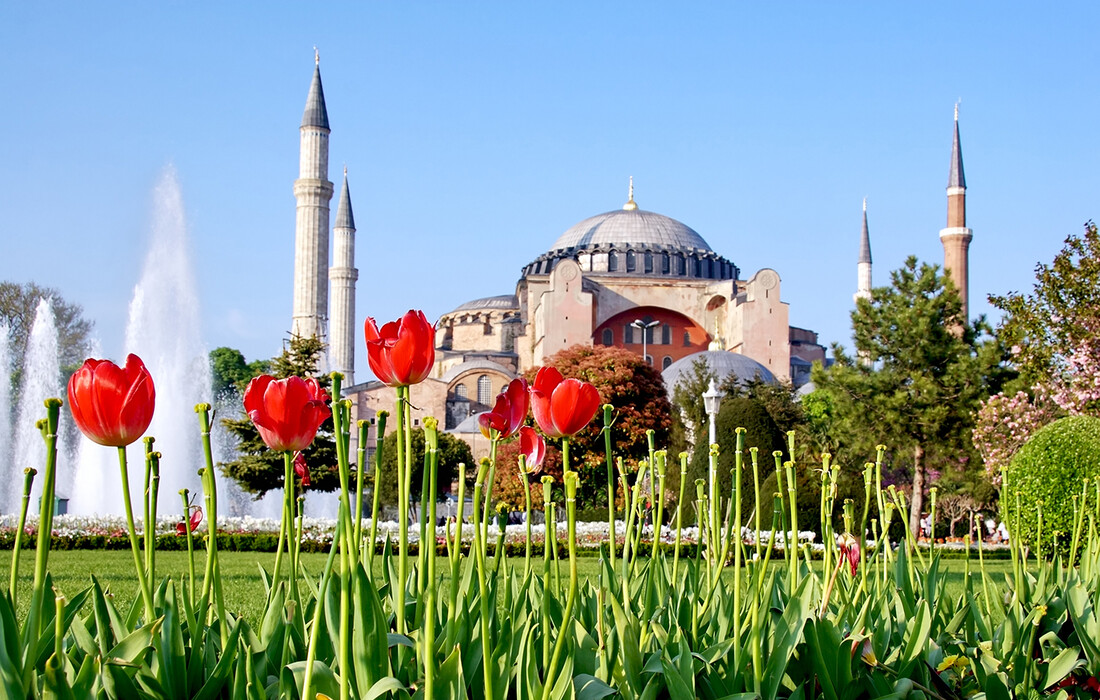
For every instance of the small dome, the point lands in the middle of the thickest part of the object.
(631, 228)
(722, 363)
(504, 301)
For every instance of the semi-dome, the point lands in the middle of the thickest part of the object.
(631, 228)
(722, 363)
(503, 301)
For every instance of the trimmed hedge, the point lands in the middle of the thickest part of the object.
(1050, 469)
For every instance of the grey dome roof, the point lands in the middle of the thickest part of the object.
(631, 227)
(721, 362)
(504, 301)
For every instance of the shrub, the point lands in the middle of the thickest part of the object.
(1050, 469)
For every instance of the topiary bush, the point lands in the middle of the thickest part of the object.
(1050, 469)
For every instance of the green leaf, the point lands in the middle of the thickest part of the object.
(588, 687)
(324, 680)
(1060, 667)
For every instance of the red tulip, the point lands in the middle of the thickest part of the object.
(301, 469)
(287, 412)
(509, 412)
(533, 447)
(196, 518)
(401, 352)
(562, 407)
(112, 405)
(849, 548)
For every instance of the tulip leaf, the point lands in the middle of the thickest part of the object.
(588, 687)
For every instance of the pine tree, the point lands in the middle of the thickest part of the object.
(257, 469)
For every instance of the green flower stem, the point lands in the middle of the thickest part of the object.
(567, 617)
(45, 519)
(360, 476)
(455, 551)
(376, 494)
(754, 457)
(659, 521)
(792, 493)
(190, 546)
(868, 475)
(825, 513)
(210, 488)
(151, 553)
(628, 516)
(28, 480)
(149, 529)
(700, 499)
(318, 612)
(527, 513)
(482, 583)
(650, 440)
(340, 410)
(932, 521)
(608, 415)
(486, 511)
(422, 526)
(402, 511)
(738, 542)
(547, 481)
(431, 447)
(135, 547)
(679, 515)
(284, 525)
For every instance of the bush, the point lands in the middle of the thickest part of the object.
(1050, 469)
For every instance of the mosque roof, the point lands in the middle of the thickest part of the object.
(502, 301)
(632, 228)
(721, 362)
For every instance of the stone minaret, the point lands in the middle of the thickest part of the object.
(342, 276)
(313, 191)
(863, 266)
(956, 237)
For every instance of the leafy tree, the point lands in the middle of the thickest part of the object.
(231, 373)
(1042, 327)
(637, 392)
(452, 451)
(920, 375)
(258, 469)
(18, 304)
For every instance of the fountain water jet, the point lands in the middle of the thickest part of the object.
(41, 380)
(6, 483)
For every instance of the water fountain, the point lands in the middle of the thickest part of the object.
(41, 380)
(5, 410)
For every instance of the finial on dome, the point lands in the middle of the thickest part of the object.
(957, 108)
(630, 204)
(717, 344)
(864, 199)
(346, 175)
(316, 56)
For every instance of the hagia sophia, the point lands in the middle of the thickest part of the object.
(628, 278)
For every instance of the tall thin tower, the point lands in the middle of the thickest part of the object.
(313, 191)
(956, 237)
(863, 265)
(342, 277)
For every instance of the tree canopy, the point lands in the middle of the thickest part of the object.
(919, 374)
(258, 469)
(18, 304)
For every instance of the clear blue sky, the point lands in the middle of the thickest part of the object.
(476, 133)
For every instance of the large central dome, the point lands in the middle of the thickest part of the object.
(631, 228)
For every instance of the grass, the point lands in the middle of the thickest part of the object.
(71, 572)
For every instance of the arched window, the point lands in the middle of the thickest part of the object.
(612, 261)
(460, 392)
(648, 262)
(665, 268)
(687, 339)
(666, 334)
(631, 263)
(484, 390)
(628, 334)
(608, 336)
(666, 362)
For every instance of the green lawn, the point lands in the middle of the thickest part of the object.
(244, 594)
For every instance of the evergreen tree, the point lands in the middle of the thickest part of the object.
(917, 379)
(257, 469)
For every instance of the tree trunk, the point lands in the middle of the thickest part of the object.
(916, 500)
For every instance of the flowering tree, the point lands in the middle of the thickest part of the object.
(1004, 423)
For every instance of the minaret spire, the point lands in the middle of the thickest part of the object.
(313, 191)
(863, 265)
(956, 236)
(342, 277)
